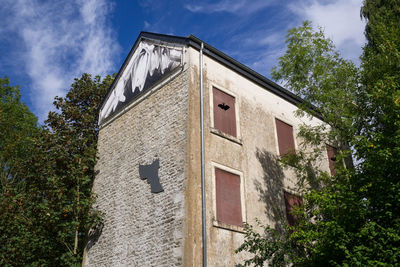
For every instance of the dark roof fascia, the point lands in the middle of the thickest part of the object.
(222, 58)
(164, 38)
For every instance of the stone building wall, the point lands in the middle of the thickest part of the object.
(142, 228)
(146, 229)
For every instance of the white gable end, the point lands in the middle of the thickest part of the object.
(149, 63)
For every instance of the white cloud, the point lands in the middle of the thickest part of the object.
(259, 47)
(340, 20)
(98, 48)
(147, 25)
(239, 7)
(271, 39)
(62, 40)
(266, 60)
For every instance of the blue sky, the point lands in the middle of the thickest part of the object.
(45, 44)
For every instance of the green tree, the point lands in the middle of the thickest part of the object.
(350, 218)
(312, 68)
(53, 213)
(17, 127)
(379, 144)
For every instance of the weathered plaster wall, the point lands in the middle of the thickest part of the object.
(254, 155)
(193, 231)
(142, 228)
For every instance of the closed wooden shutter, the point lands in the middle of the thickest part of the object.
(291, 201)
(224, 112)
(285, 137)
(229, 208)
(332, 152)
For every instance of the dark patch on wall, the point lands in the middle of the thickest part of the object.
(150, 173)
(94, 235)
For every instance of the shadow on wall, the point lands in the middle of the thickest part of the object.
(94, 235)
(271, 189)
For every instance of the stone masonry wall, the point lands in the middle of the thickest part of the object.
(142, 228)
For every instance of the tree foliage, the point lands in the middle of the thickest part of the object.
(51, 211)
(17, 127)
(350, 218)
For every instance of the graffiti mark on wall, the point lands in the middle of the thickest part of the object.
(149, 63)
(150, 173)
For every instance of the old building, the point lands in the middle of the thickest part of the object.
(149, 180)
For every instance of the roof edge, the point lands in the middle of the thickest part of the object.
(245, 71)
(142, 35)
(222, 58)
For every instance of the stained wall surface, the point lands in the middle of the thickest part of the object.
(142, 228)
(253, 155)
(145, 229)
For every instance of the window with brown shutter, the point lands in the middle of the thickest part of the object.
(224, 112)
(228, 200)
(285, 137)
(332, 152)
(291, 201)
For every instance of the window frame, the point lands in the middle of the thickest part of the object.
(220, 224)
(332, 170)
(295, 194)
(276, 134)
(214, 130)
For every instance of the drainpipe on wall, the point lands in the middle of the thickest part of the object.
(203, 191)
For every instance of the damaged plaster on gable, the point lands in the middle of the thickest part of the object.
(149, 63)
